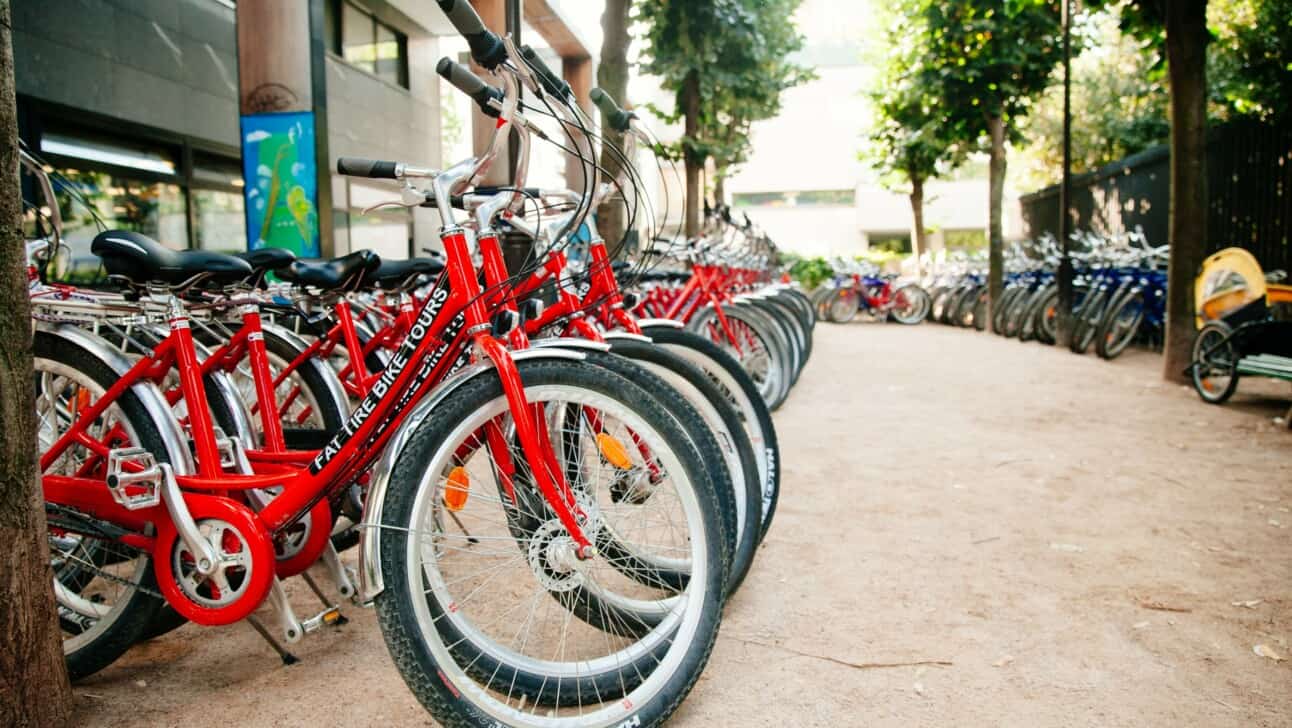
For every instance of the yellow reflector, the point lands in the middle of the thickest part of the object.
(455, 490)
(613, 451)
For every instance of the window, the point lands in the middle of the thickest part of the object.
(110, 181)
(387, 232)
(90, 201)
(218, 221)
(367, 43)
(795, 199)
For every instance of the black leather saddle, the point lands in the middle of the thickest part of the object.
(267, 259)
(344, 273)
(394, 275)
(140, 260)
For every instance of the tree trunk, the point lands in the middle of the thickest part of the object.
(1186, 52)
(919, 239)
(612, 77)
(694, 162)
(33, 678)
(995, 201)
(720, 184)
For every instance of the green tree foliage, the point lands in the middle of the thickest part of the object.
(988, 60)
(908, 142)
(727, 62)
(1250, 60)
(1119, 103)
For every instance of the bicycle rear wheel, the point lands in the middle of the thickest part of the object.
(105, 592)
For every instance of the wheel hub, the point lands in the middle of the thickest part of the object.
(552, 556)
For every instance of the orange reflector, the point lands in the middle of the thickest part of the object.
(455, 490)
(82, 401)
(613, 451)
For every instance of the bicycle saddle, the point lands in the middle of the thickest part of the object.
(330, 275)
(267, 259)
(394, 275)
(140, 259)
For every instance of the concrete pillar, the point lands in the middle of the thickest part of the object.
(283, 105)
(494, 15)
(578, 73)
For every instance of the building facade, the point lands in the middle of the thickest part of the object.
(136, 104)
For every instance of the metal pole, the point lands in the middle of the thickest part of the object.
(1064, 315)
(514, 14)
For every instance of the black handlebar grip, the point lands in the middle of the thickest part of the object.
(355, 167)
(470, 84)
(550, 82)
(486, 48)
(493, 190)
(616, 118)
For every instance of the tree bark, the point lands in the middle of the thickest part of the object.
(34, 690)
(1186, 52)
(694, 163)
(720, 184)
(612, 77)
(995, 201)
(919, 238)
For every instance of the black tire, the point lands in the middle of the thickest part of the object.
(1032, 316)
(980, 308)
(1114, 334)
(139, 609)
(792, 302)
(1222, 357)
(776, 383)
(413, 645)
(332, 412)
(745, 484)
(919, 297)
(1086, 321)
(793, 330)
(1012, 317)
(999, 310)
(753, 410)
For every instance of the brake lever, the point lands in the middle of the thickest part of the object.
(409, 196)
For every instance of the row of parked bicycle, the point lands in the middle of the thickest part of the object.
(1119, 293)
(552, 494)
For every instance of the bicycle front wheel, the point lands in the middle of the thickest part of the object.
(480, 615)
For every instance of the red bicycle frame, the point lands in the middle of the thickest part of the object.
(452, 323)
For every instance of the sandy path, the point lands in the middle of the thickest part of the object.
(949, 497)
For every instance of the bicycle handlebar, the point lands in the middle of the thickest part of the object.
(375, 169)
(470, 84)
(616, 118)
(550, 82)
(486, 48)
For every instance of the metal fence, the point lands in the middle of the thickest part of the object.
(1249, 193)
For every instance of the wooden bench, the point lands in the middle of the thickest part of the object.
(1269, 365)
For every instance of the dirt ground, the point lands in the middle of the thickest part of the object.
(972, 532)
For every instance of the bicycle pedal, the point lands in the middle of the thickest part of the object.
(139, 488)
(330, 617)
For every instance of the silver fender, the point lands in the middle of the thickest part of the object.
(670, 323)
(612, 335)
(569, 342)
(177, 451)
(370, 580)
(330, 378)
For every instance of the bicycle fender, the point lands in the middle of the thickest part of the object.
(177, 451)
